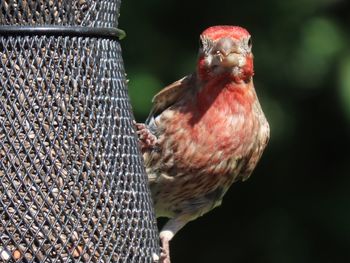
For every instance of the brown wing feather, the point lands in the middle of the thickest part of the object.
(169, 95)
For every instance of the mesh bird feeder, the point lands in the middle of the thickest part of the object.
(72, 183)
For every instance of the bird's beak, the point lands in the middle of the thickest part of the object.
(227, 53)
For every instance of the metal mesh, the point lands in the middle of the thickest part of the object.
(92, 13)
(72, 182)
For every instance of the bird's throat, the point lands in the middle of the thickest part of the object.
(225, 95)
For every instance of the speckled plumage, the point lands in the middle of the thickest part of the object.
(207, 131)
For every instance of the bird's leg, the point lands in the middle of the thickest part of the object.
(167, 233)
(147, 139)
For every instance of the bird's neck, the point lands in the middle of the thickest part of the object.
(226, 93)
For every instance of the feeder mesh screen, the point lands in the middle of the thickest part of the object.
(72, 182)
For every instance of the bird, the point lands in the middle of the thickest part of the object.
(204, 132)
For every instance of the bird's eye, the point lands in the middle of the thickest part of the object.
(250, 43)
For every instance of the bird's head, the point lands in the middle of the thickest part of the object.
(225, 51)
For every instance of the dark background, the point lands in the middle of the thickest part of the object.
(296, 206)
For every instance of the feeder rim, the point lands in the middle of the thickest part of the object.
(56, 30)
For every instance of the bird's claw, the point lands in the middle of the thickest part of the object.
(164, 256)
(147, 139)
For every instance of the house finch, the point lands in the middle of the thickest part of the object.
(204, 132)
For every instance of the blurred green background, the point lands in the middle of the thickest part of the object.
(296, 206)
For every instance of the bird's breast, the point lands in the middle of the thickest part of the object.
(207, 137)
(203, 146)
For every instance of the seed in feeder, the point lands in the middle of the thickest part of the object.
(16, 254)
(77, 251)
(4, 254)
